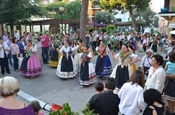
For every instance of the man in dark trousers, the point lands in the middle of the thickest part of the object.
(105, 103)
(4, 51)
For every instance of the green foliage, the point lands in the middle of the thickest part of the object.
(89, 28)
(111, 29)
(72, 9)
(146, 16)
(87, 111)
(65, 111)
(104, 17)
(17, 11)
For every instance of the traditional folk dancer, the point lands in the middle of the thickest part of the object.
(87, 71)
(103, 63)
(55, 56)
(78, 55)
(124, 69)
(66, 66)
(31, 65)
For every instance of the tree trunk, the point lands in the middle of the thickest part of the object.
(133, 20)
(11, 29)
(2, 28)
(83, 20)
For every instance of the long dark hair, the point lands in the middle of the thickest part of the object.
(137, 77)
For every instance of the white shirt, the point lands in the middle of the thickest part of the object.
(156, 79)
(131, 99)
(67, 49)
(6, 47)
(5, 38)
(146, 61)
(17, 36)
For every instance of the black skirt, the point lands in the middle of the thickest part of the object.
(24, 64)
(169, 88)
(66, 64)
(99, 65)
(84, 72)
(122, 76)
(54, 56)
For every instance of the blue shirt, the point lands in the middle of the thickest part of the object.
(170, 68)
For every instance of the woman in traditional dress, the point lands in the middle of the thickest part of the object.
(103, 63)
(124, 69)
(87, 71)
(55, 56)
(66, 66)
(78, 55)
(31, 65)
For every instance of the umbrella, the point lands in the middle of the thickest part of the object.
(172, 32)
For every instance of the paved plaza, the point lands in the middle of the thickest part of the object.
(51, 89)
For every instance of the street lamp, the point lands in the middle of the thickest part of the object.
(112, 21)
(61, 9)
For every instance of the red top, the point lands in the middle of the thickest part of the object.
(45, 40)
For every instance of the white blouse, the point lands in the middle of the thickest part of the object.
(132, 101)
(156, 79)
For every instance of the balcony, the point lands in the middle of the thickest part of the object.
(169, 9)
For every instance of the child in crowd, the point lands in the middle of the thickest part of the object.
(20, 58)
(36, 107)
(99, 87)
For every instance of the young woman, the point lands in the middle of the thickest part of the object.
(78, 55)
(103, 63)
(55, 55)
(31, 65)
(87, 70)
(66, 66)
(15, 53)
(131, 95)
(124, 69)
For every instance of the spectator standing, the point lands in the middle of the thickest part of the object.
(131, 95)
(105, 103)
(156, 76)
(45, 41)
(146, 62)
(169, 89)
(4, 51)
(15, 52)
(5, 37)
(17, 35)
(22, 45)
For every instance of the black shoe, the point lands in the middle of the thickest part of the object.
(8, 72)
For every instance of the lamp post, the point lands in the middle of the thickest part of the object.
(61, 9)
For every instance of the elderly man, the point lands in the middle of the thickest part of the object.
(146, 61)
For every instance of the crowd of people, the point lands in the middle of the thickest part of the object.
(72, 57)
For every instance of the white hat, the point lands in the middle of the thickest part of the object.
(149, 50)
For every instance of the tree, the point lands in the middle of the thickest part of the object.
(146, 16)
(104, 17)
(18, 11)
(128, 5)
(83, 19)
(72, 10)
